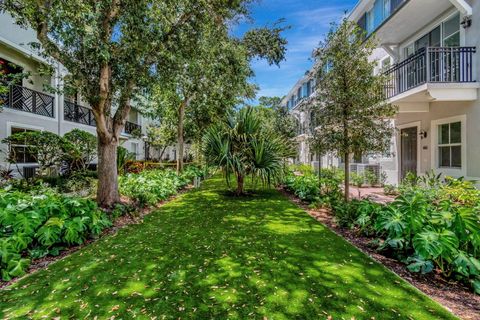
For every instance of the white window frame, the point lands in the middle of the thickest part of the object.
(11, 125)
(135, 149)
(454, 172)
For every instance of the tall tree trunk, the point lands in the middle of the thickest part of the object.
(240, 184)
(346, 158)
(107, 192)
(180, 142)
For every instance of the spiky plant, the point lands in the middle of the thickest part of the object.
(240, 146)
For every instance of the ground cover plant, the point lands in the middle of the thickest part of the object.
(149, 187)
(34, 224)
(210, 255)
(433, 225)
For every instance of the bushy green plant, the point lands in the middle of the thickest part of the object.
(123, 157)
(152, 186)
(80, 149)
(371, 178)
(357, 179)
(321, 191)
(432, 224)
(33, 225)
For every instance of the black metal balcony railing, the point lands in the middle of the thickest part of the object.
(28, 100)
(431, 65)
(131, 128)
(77, 113)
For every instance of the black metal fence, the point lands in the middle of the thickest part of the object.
(431, 65)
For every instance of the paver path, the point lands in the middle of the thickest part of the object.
(207, 255)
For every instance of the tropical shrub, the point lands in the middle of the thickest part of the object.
(123, 157)
(241, 146)
(33, 226)
(432, 225)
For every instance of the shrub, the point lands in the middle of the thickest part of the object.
(371, 178)
(80, 149)
(357, 179)
(152, 186)
(33, 226)
(309, 187)
(433, 224)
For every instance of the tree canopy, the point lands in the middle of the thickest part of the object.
(351, 112)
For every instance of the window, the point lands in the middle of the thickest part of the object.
(19, 152)
(370, 22)
(386, 9)
(386, 64)
(450, 145)
(135, 149)
(451, 32)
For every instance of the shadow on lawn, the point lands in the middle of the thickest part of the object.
(208, 255)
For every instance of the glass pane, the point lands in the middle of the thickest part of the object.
(443, 131)
(423, 42)
(456, 132)
(452, 41)
(435, 38)
(451, 26)
(444, 156)
(457, 157)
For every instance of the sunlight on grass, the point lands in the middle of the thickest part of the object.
(208, 255)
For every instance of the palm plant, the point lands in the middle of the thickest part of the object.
(240, 146)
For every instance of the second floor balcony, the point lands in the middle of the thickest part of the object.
(79, 114)
(27, 100)
(433, 73)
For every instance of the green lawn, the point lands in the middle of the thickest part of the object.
(207, 255)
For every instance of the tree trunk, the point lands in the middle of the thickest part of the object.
(161, 153)
(240, 184)
(180, 142)
(107, 192)
(346, 158)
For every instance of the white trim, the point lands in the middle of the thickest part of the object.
(462, 172)
(11, 124)
(463, 7)
(418, 125)
(24, 51)
(30, 114)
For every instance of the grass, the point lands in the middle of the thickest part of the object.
(207, 255)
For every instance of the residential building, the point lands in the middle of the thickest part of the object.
(432, 69)
(299, 101)
(28, 105)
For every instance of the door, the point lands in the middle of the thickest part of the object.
(408, 151)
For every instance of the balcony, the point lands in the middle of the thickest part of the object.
(79, 114)
(28, 100)
(76, 113)
(433, 74)
(132, 128)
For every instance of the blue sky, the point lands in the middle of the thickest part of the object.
(309, 20)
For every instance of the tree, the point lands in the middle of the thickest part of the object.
(80, 149)
(45, 147)
(352, 114)
(112, 48)
(161, 136)
(276, 117)
(241, 146)
(208, 81)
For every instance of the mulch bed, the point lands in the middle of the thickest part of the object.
(119, 223)
(453, 295)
